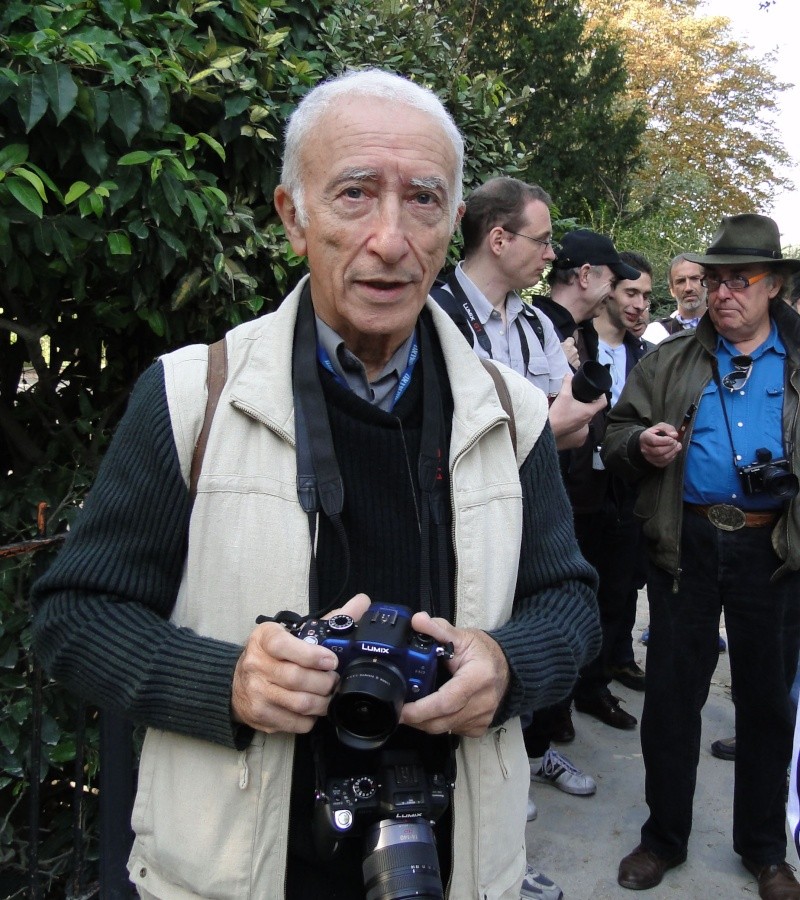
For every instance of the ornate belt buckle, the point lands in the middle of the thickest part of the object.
(726, 518)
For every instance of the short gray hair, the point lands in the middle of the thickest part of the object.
(366, 83)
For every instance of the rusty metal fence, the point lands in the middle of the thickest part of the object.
(116, 786)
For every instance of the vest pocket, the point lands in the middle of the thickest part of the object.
(194, 820)
(504, 782)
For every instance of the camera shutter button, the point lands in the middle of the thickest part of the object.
(343, 819)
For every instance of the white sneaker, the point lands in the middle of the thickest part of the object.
(536, 886)
(555, 769)
(533, 812)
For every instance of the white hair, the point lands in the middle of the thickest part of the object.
(365, 83)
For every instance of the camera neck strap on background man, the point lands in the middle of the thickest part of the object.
(320, 487)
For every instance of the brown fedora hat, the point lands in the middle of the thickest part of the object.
(745, 239)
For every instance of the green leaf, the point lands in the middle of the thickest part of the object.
(12, 155)
(31, 100)
(61, 89)
(126, 113)
(175, 243)
(198, 208)
(9, 735)
(135, 158)
(24, 194)
(33, 179)
(9, 657)
(118, 244)
(215, 145)
(77, 189)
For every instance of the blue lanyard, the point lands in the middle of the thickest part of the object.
(405, 378)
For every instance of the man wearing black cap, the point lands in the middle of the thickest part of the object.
(581, 280)
(707, 425)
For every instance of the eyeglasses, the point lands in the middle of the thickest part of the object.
(737, 379)
(737, 283)
(549, 242)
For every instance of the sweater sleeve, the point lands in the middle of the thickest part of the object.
(101, 612)
(554, 629)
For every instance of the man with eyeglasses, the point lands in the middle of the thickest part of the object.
(685, 284)
(507, 246)
(707, 426)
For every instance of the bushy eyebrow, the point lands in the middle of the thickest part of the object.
(430, 184)
(354, 175)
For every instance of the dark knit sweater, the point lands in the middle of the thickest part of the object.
(101, 610)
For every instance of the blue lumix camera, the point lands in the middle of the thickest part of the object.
(383, 663)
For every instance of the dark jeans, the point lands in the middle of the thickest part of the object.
(609, 539)
(730, 571)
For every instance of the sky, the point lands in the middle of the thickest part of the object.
(776, 28)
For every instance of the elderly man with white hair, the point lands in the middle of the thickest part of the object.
(361, 475)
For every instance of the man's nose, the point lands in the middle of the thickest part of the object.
(389, 234)
(549, 254)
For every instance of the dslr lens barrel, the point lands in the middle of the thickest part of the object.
(401, 862)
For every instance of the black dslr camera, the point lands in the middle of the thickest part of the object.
(769, 476)
(383, 663)
(394, 810)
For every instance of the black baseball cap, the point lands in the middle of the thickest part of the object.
(583, 246)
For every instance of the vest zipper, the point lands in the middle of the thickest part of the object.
(474, 440)
(249, 411)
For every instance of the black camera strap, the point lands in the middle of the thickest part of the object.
(721, 392)
(319, 483)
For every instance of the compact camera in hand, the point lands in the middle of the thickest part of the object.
(394, 810)
(383, 663)
(769, 476)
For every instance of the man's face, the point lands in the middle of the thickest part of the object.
(600, 282)
(379, 182)
(741, 314)
(629, 302)
(686, 288)
(523, 257)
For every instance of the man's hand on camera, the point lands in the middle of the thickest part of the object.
(467, 702)
(282, 683)
(569, 418)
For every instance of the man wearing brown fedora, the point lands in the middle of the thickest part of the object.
(707, 425)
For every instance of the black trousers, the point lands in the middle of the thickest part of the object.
(727, 571)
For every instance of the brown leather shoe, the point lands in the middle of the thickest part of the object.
(605, 707)
(642, 869)
(775, 882)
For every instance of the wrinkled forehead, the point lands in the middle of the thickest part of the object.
(684, 269)
(360, 126)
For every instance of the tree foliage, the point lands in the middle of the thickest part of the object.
(580, 130)
(711, 147)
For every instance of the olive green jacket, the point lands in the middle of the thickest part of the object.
(661, 388)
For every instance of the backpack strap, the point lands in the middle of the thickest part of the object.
(505, 399)
(216, 377)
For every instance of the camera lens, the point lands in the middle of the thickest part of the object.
(400, 861)
(366, 707)
(779, 483)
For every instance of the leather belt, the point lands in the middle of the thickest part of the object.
(731, 518)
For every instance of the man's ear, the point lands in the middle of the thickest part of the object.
(496, 239)
(775, 287)
(287, 210)
(583, 275)
(462, 208)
